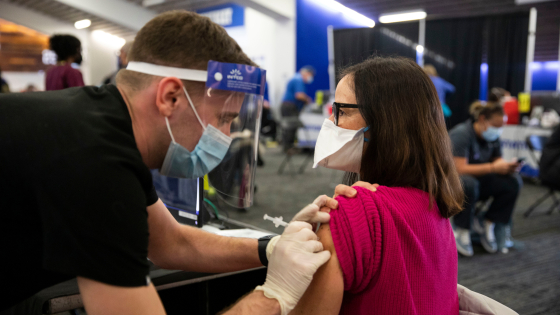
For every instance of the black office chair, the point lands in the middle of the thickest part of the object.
(537, 143)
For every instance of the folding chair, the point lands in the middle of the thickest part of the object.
(537, 143)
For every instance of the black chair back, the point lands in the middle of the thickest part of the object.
(536, 143)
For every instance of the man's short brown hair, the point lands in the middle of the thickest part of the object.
(180, 39)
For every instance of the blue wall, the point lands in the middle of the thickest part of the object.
(312, 20)
(545, 75)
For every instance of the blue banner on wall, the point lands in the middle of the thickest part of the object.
(226, 15)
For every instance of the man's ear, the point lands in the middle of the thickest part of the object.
(169, 90)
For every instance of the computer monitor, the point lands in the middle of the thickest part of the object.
(184, 198)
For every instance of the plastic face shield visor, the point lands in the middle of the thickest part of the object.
(232, 102)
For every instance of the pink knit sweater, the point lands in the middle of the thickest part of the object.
(396, 255)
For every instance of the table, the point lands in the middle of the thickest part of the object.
(513, 142)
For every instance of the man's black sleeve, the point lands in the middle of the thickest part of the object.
(94, 219)
(151, 197)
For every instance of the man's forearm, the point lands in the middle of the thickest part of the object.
(302, 97)
(254, 303)
(198, 250)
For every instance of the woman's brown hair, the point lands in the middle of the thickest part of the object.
(409, 145)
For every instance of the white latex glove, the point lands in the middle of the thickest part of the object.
(294, 260)
(309, 214)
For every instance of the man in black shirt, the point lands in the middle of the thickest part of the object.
(77, 198)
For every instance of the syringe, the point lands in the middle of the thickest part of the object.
(276, 221)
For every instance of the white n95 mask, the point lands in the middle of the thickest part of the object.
(338, 148)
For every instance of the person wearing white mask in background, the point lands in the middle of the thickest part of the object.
(484, 173)
(122, 63)
(77, 191)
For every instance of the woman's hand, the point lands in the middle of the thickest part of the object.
(312, 214)
(350, 192)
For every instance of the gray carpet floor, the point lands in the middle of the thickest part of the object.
(526, 279)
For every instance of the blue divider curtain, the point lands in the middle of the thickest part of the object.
(455, 47)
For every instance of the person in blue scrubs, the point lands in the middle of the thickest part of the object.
(442, 87)
(292, 103)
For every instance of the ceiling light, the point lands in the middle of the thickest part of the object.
(552, 65)
(521, 2)
(349, 13)
(535, 65)
(82, 24)
(109, 38)
(400, 17)
(419, 49)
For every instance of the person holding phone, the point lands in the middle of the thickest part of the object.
(484, 174)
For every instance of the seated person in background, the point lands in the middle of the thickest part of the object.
(393, 251)
(484, 174)
(550, 161)
(498, 95)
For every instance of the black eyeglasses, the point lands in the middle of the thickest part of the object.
(336, 110)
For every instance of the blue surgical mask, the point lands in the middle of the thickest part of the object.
(208, 153)
(492, 133)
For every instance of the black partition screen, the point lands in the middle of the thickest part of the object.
(507, 51)
(454, 47)
(352, 46)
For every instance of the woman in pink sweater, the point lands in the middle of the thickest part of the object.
(393, 250)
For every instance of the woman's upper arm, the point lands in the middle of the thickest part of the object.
(324, 295)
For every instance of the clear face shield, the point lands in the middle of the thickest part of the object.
(240, 89)
(230, 114)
